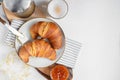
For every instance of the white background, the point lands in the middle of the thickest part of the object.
(96, 24)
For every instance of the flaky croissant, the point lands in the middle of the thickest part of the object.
(37, 48)
(48, 30)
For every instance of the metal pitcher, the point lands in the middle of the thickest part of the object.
(20, 8)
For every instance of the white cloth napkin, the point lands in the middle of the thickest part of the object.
(3, 30)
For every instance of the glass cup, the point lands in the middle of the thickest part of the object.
(57, 8)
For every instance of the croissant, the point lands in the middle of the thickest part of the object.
(48, 30)
(37, 48)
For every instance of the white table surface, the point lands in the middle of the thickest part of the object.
(95, 24)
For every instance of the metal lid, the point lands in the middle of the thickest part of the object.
(17, 5)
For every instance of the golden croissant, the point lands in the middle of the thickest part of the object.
(37, 48)
(48, 30)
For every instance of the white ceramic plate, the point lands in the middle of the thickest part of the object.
(38, 61)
